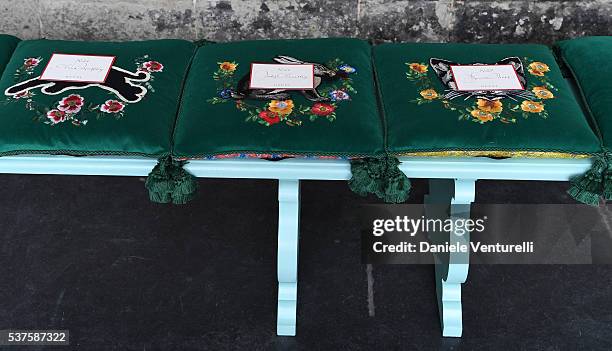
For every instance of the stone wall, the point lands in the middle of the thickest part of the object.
(224, 20)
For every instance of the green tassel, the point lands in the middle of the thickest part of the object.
(168, 182)
(364, 180)
(584, 196)
(185, 185)
(397, 189)
(607, 183)
(159, 182)
(379, 176)
(595, 183)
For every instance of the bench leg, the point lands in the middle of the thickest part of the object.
(452, 269)
(288, 242)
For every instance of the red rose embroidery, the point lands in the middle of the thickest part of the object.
(270, 117)
(23, 95)
(152, 66)
(321, 109)
(112, 106)
(71, 103)
(31, 62)
(56, 116)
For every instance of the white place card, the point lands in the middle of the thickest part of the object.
(486, 77)
(78, 68)
(276, 76)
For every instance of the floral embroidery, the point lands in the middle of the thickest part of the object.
(228, 66)
(482, 116)
(71, 104)
(56, 116)
(542, 93)
(339, 95)
(286, 111)
(31, 62)
(484, 110)
(489, 105)
(67, 109)
(532, 106)
(418, 68)
(321, 109)
(225, 93)
(72, 107)
(270, 117)
(27, 69)
(112, 106)
(282, 107)
(538, 68)
(23, 95)
(347, 69)
(429, 94)
(145, 64)
(152, 66)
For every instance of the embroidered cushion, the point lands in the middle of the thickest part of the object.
(220, 115)
(132, 112)
(426, 113)
(7, 45)
(589, 61)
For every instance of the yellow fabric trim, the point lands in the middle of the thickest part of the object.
(499, 154)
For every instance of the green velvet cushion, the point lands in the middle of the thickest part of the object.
(590, 61)
(7, 46)
(216, 119)
(133, 112)
(421, 118)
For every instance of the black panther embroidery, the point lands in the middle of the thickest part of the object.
(442, 68)
(119, 82)
(321, 73)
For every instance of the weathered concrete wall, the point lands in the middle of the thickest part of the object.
(223, 20)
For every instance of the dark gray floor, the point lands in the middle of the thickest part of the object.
(92, 255)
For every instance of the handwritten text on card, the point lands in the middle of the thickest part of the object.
(486, 77)
(78, 68)
(275, 76)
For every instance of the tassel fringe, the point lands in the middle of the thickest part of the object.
(381, 177)
(596, 183)
(169, 182)
(607, 183)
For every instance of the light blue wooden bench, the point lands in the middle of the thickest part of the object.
(452, 181)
